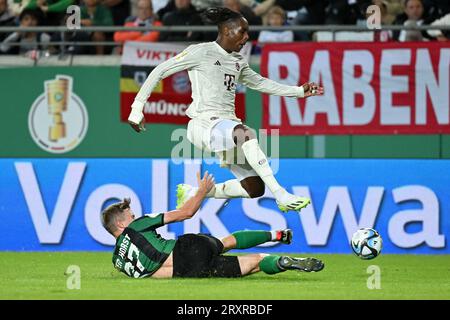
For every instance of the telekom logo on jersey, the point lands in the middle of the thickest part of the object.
(316, 227)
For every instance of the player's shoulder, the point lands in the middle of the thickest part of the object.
(239, 58)
(139, 223)
(199, 47)
(153, 215)
(193, 51)
(237, 55)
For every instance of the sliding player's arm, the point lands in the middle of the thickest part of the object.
(187, 59)
(191, 206)
(255, 81)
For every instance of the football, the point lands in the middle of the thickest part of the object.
(366, 243)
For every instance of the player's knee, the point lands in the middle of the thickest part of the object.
(256, 192)
(261, 256)
(254, 186)
(242, 134)
(228, 243)
(258, 258)
(250, 134)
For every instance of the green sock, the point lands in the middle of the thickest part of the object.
(250, 239)
(269, 265)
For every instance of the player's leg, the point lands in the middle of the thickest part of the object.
(246, 185)
(251, 168)
(249, 263)
(254, 186)
(218, 138)
(273, 264)
(232, 266)
(225, 190)
(245, 140)
(251, 238)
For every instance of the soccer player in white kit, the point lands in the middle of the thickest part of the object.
(214, 68)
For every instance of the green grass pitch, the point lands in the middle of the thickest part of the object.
(42, 276)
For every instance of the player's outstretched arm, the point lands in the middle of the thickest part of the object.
(193, 204)
(189, 58)
(255, 81)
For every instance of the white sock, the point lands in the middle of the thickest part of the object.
(226, 190)
(273, 234)
(229, 189)
(258, 161)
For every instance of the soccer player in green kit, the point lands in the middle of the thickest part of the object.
(141, 252)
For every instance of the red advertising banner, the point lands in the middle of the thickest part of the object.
(172, 96)
(370, 88)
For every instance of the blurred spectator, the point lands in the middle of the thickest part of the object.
(71, 37)
(346, 11)
(120, 10)
(29, 41)
(412, 16)
(159, 4)
(387, 17)
(252, 18)
(337, 13)
(201, 5)
(246, 11)
(169, 7)
(435, 9)
(276, 17)
(307, 12)
(16, 6)
(259, 7)
(438, 34)
(54, 10)
(144, 18)
(304, 12)
(394, 7)
(133, 8)
(6, 17)
(184, 15)
(95, 14)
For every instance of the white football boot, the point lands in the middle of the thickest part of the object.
(184, 193)
(288, 202)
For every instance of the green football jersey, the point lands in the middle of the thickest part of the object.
(140, 250)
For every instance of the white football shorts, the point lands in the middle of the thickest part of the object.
(216, 135)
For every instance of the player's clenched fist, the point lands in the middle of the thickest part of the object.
(136, 120)
(312, 89)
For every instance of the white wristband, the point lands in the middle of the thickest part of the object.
(301, 92)
(136, 114)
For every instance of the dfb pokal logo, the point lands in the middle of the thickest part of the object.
(58, 119)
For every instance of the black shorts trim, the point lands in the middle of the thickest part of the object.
(200, 256)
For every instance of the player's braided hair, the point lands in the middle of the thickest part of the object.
(219, 15)
(110, 214)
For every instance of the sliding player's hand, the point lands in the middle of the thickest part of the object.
(312, 89)
(206, 184)
(137, 120)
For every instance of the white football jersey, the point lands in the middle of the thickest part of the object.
(213, 73)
